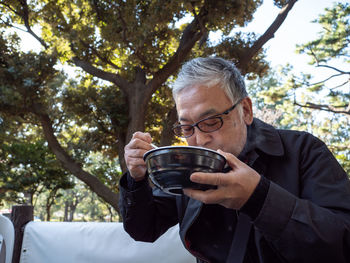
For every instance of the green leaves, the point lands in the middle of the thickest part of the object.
(25, 79)
(333, 41)
(29, 168)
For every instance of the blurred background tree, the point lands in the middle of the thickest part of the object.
(320, 106)
(325, 53)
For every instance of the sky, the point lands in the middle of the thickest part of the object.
(280, 50)
(296, 29)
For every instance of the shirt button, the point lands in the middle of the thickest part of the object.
(128, 201)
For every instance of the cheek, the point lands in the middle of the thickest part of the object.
(190, 141)
(236, 122)
(235, 131)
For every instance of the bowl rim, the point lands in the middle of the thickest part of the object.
(181, 147)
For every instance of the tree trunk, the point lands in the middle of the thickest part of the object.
(75, 168)
(28, 198)
(48, 212)
(71, 213)
(93, 209)
(66, 208)
(167, 136)
(72, 209)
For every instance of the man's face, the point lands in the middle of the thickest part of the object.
(196, 103)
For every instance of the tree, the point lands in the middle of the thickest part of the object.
(330, 52)
(128, 53)
(332, 45)
(30, 169)
(300, 100)
(274, 101)
(71, 201)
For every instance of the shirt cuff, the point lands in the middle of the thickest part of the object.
(256, 201)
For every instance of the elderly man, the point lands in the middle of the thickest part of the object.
(285, 198)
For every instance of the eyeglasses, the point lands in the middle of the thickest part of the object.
(210, 124)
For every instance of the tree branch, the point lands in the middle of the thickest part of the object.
(203, 29)
(334, 68)
(330, 77)
(111, 77)
(105, 60)
(190, 36)
(75, 168)
(9, 7)
(25, 17)
(127, 42)
(339, 148)
(324, 107)
(13, 110)
(340, 85)
(270, 33)
(10, 25)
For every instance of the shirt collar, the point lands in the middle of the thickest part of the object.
(264, 137)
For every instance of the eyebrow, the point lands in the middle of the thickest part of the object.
(203, 115)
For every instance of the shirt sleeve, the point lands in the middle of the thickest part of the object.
(132, 185)
(145, 216)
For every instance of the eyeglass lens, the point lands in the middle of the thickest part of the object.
(208, 125)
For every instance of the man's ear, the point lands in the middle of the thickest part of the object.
(247, 110)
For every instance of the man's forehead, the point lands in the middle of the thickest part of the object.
(198, 102)
(200, 115)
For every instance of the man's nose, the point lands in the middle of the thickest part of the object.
(202, 138)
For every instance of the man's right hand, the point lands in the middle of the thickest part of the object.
(133, 154)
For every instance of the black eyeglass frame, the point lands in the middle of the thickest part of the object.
(210, 117)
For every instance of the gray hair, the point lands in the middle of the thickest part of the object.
(211, 71)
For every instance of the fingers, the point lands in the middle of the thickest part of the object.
(217, 178)
(211, 196)
(233, 188)
(225, 194)
(134, 161)
(133, 154)
(145, 136)
(209, 178)
(140, 140)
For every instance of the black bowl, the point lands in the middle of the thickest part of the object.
(170, 167)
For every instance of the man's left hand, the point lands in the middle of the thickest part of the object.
(233, 188)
